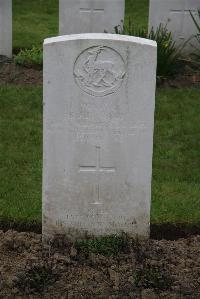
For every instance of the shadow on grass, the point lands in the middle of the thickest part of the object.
(166, 231)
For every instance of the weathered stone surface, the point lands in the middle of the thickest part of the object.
(99, 97)
(6, 28)
(90, 16)
(175, 14)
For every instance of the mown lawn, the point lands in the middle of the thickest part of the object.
(20, 153)
(35, 20)
(176, 164)
(138, 12)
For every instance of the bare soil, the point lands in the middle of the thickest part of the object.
(147, 269)
(10, 73)
(181, 81)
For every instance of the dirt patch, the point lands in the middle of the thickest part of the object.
(150, 269)
(10, 73)
(180, 81)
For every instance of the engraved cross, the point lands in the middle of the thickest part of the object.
(97, 169)
(92, 10)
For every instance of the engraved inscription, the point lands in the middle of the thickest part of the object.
(78, 221)
(99, 71)
(98, 134)
(97, 169)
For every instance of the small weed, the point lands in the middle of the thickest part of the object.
(108, 245)
(153, 278)
(168, 53)
(36, 278)
(130, 29)
(29, 57)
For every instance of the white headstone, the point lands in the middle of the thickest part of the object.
(174, 13)
(6, 28)
(90, 16)
(99, 97)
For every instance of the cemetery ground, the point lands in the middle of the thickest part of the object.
(167, 265)
(43, 17)
(175, 163)
(113, 267)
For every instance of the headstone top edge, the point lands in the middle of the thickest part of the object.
(100, 36)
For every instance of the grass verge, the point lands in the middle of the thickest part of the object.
(176, 177)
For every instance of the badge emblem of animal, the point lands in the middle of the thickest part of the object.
(99, 71)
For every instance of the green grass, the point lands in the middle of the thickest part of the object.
(35, 20)
(138, 12)
(176, 164)
(106, 245)
(176, 176)
(20, 153)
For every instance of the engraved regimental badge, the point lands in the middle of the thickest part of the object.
(99, 70)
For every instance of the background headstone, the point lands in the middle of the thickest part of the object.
(174, 13)
(6, 28)
(99, 98)
(87, 16)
